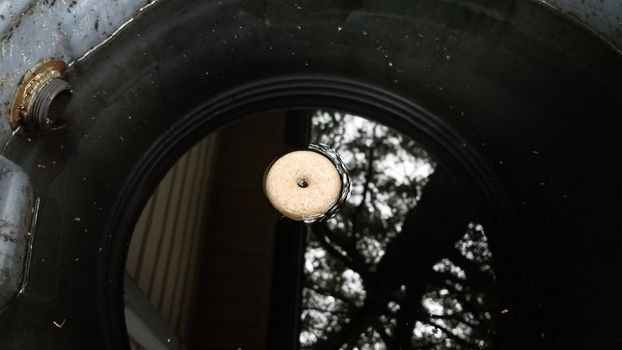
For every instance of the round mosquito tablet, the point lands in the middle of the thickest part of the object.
(303, 185)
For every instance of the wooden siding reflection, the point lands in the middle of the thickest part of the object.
(164, 252)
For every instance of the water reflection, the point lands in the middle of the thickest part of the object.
(403, 265)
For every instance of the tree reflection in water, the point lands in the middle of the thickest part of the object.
(403, 265)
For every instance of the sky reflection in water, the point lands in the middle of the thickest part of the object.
(390, 270)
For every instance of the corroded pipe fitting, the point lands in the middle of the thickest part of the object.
(41, 96)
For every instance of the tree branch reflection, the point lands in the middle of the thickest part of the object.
(403, 265)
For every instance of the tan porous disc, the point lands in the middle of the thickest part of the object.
(303, 185)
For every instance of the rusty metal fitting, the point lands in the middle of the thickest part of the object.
(41, 96)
